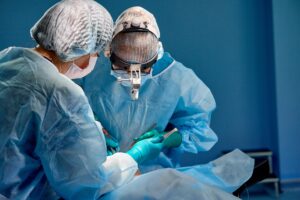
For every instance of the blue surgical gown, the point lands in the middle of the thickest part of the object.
(173, 95)
(50, 144)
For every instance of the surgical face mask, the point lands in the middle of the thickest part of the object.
(76, 72)
(120, 74)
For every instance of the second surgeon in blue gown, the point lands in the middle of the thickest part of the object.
(170, 94)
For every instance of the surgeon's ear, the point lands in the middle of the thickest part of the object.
(107, 53)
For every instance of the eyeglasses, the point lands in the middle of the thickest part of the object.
(120, 64)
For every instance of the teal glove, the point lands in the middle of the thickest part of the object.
(170, 141)
(111, 145)
(146, 149)
(149, 134)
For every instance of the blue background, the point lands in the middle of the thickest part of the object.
(246, 51)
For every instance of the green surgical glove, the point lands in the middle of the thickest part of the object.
(146, 149)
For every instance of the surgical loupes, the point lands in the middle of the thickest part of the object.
(135, 80)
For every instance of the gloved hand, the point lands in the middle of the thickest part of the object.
(170, 141)
(148, 134)
(146, 149)
(111, 146)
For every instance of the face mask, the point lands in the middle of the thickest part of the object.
(120, 74)
(76, 72)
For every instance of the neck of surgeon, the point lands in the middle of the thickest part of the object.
(61, 66)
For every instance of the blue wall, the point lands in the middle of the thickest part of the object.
(287, 62)
(246, 51)
(16, 19)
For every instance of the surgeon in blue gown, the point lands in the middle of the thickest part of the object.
(137, 87)
(169, 93)
(50, 144)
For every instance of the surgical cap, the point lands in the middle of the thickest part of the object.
(135, 47)
(73, 28)
(136, 17)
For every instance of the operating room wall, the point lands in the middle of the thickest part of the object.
(242, 52)
(287, 63)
